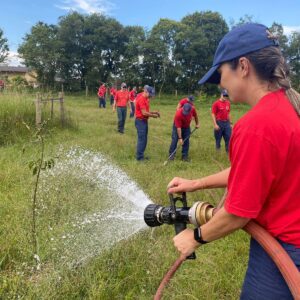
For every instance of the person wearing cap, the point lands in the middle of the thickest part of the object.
(220, 114)
(121, 101)
(181, 130)
(264, 177)
(190, 99)
(132, 96)
(101, 95)
(142, 114)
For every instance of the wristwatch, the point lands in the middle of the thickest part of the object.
(198, 236)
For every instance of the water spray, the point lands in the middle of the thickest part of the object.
(200, 213)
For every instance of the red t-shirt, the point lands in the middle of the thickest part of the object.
(264, 181)
(182, 121)
(132, 95)
(121, 98)
(141, 102)
(221, 109)
(112, 91)
(184, 101)
(102, 91)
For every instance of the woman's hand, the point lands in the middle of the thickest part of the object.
(180, 185)
(185, 243)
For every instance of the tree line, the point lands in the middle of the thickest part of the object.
(82, 50)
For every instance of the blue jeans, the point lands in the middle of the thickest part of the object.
(121, 111)
(142, 135)
(185, 132)
(225, 132)
(263, 279)
(102, 102)
(132, 109)
(112, 99)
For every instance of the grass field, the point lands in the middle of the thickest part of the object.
(134, 267)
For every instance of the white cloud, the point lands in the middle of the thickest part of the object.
(87, 6)
(14, 59)
(290, 29)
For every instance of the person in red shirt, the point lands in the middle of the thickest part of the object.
(112, 92)
(132, 96)
(121, 102)
(181, 130)
(220, 114)
(142, 114)
(101, 95)
(264, 177)
(190, 99)
(2, 84)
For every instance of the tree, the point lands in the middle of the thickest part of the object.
(293, 54)
(277, 30)
(242, 20)
(40, 52)
(131, 61)
(196, 44)
(4, 49)
(91, 48)
(159, 54)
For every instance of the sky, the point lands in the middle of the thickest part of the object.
(18, 16)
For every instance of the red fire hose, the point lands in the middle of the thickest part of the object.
(282, 260)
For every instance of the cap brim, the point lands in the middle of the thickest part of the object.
(212, 76)
(185, 113)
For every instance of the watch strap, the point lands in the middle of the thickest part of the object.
(198, 236)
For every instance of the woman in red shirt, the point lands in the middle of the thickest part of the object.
(264, 178)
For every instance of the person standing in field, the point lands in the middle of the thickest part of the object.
(101, 95)
(220, 114)
(132, 96)
(121, 102)
(112, 92)
(264, 177)
(181, 130)
(142, 114)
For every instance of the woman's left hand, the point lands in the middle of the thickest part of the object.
(185, 243)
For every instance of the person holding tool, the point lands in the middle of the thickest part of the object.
(220, 114)
(264, 178)
(142, 114)
(181, 130)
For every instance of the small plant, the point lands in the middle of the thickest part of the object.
(36, 166)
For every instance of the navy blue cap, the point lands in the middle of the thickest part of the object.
(186, 109)
(224, 93)
(191, 98)
(150, 90)
(239, 41)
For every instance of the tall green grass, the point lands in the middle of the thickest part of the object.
(19, 108)
(133, 268)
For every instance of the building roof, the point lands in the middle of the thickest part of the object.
(14, 69)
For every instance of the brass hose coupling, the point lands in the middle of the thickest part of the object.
(200, 213)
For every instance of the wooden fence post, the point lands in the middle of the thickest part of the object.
(38, 111)
(62, 112)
